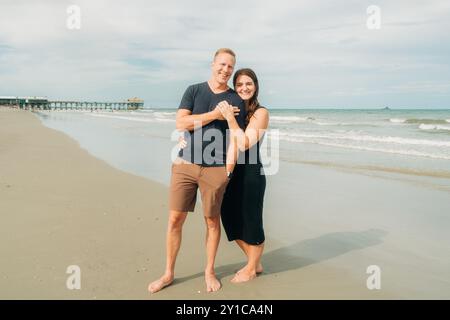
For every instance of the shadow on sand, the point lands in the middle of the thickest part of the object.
(305, 252)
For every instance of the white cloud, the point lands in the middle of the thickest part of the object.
(304, 52)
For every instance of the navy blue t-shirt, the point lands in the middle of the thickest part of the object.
(207, 145)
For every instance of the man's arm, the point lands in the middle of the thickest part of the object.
(185, 120)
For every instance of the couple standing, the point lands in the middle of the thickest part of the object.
(232, 191)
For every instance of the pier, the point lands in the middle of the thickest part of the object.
(42, 103)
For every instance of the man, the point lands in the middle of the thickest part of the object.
(201, 167)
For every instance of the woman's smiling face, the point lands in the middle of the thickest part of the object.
(245, 87)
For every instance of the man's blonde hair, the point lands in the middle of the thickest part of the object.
(225, 50)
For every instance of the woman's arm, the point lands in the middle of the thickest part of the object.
(255, 128)
(232, 155)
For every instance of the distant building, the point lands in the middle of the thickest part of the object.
(39, 102)
(8, 101)
(135, 103)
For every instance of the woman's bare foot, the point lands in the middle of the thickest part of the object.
(160, 284)
(243, 275)
(212, 283)
(259, 268)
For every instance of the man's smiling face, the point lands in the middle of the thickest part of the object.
(222, 67)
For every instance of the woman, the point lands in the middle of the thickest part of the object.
(242, 206)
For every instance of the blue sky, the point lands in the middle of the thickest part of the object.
(306, 53)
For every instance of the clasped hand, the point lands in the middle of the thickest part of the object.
(225, 111)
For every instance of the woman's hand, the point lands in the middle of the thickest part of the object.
(227, 111)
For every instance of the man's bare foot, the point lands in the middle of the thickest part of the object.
(160, 284)
(212, 283)
(243, 275)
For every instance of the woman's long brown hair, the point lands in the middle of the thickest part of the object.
(252, 104)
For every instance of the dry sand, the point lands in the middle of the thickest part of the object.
(60, 206)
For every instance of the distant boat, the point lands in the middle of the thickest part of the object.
(386, 108)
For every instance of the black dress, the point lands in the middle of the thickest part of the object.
(242, 205)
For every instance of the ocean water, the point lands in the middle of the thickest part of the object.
(407, 142)
(375, 182)
(404, 141)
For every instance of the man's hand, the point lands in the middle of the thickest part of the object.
(217, 114)
(182, 143)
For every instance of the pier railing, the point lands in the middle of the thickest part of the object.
(44, 104)
(95, 105)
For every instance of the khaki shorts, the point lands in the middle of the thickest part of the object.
(187, 178)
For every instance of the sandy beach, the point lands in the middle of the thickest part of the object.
(356, 152)
(61, 206)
